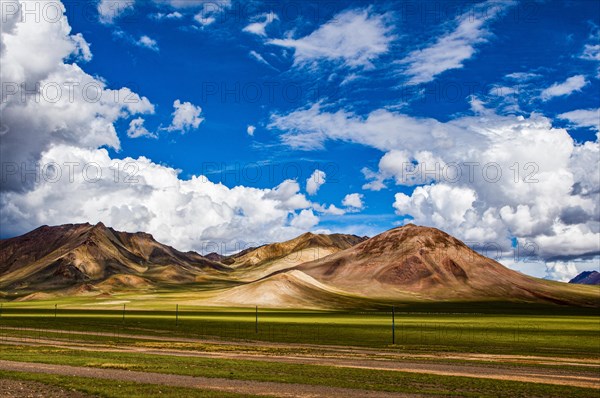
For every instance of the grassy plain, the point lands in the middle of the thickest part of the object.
(376, 380)
(509, 333)
(484, 328)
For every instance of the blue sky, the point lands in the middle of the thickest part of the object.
(269, 93)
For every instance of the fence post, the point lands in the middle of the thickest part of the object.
(393, 324)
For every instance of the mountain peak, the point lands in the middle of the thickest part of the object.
(307, 237)
(410, 236)
(421, 229)
(100, 225)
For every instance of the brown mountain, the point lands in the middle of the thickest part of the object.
(406, 264)
(71, 255)
(587, 278)
(420, 263)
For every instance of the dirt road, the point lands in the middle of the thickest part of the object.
(205, 383)
(31, 389)
(547, 375)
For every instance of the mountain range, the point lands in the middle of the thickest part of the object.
(406, 264)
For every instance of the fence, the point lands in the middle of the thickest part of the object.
(375, 329)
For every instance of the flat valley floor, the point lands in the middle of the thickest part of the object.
(296, 354)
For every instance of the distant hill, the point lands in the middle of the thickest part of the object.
(587, 278)
(255, 263)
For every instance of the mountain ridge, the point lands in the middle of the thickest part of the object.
(407, 263)
(61, 256)
(259, 255)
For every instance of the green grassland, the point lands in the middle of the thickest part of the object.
(531, 334)
(292, 373)
(495, 328)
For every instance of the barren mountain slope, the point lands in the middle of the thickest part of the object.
(291, 289)
(68, 255)
(431, 264)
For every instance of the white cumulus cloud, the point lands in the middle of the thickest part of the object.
(69, 106)
(305, 220)
(87, 185)
(437, 204)
(185, 117)
(82, 47)
(314, 182)
(561, 271)
(484, 178)
(136, 129)
(331, 209)
(354, 201)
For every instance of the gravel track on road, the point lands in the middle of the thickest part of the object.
(31, 389)
(205, 383)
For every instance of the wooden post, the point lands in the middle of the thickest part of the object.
(393, 324)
